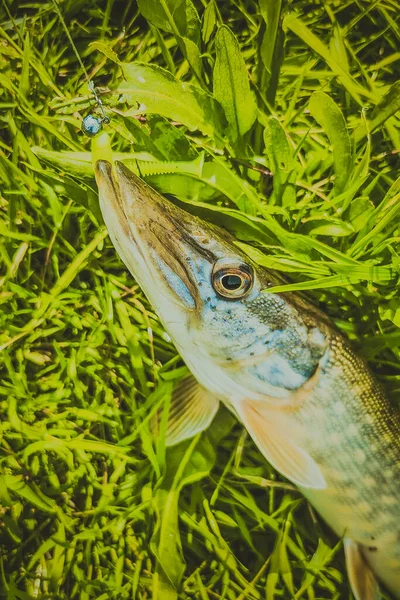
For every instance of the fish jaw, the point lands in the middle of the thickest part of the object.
(144, 235)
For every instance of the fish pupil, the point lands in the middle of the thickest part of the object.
(231, 282)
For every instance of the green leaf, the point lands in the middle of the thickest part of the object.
(270, 11)
(332, 228)
(187, 463)
(82, 193)
(107, 51)
(162, 587)
(5, 498)
(80, 165)
(284, 563)
(55, 573)
(150, 89)
(322, 556)
(308, 37)
(192, 54)
(170, 141)
(209, 21)
(338, 49)
(166, 543)
(387, 107)
(179, 17)
(391, 312)
(24, 80)
(360, 212)
(231, 85)
(15, 235)
(330, 117)
(16, 485)
(43, 549)
(348, 278)
(281, 162)
(271, 49)
(384, 216)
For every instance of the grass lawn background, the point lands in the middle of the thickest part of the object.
(92, 506)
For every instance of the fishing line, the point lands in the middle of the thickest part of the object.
(91, 124)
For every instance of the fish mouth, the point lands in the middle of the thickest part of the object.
(151, 235)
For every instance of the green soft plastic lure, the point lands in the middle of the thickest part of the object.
(310, 404)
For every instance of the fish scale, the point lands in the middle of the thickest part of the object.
(312, 407)
(360, 453)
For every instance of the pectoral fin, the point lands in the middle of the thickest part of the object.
(362, 580)
(192, 410)
(283, 454)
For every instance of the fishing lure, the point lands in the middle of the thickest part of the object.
(92, 124)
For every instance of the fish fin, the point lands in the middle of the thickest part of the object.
(362, 580)
(192, 410)
(287, 457)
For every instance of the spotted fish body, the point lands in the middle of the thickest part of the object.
(355, 439)
(310, 404)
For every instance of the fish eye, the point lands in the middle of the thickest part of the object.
(232, 279)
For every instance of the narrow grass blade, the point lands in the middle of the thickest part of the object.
(330, 117)
(231, 85)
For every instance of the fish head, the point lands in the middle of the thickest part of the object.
(236, 338)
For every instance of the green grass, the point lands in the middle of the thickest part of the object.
(91, 504)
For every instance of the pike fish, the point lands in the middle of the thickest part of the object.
(310, 404)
